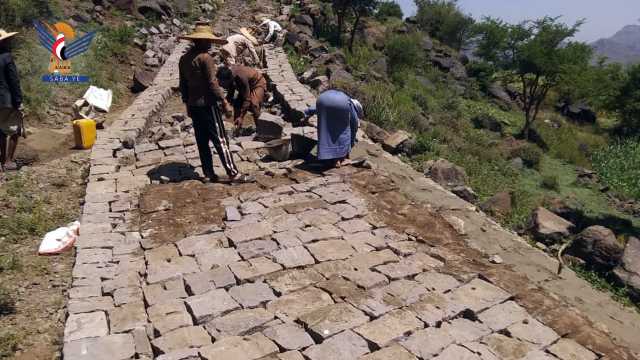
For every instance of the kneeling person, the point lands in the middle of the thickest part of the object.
(250, 86)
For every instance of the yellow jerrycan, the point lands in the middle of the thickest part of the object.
(84, 132)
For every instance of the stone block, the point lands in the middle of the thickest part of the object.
(169, 315)
(211, 304)
(239, 323)
(169, 290)
(215, 258)
(389, 327)
(256, 248)
(91, 304)
(81, 292)
(111, 347)
(330, 250)
(165, 270)
(289, 336)
(354, 226)
(254, 268)
(477, 295)
(399, 270)
(394, 352)
(249, 232)
(127, 317)
(252, 294)
(201, 282)
(193, 245)
(533, 331)
(293, 257)
(80, 326)
(317, 217)
(287, 281)
(503, 315)
(248, 347)
(182, 338)
(127, 295)
(346, 345)
(329, 320)
(435, 281)
(296, 304)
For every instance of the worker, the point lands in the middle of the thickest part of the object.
(202, 94)
(233, 51)
(11, 108)
(246, 88)
(338, 116)
(274, 28)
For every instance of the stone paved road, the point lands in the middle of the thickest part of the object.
(305, 270)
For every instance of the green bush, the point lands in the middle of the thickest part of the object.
(444, 20)
(550, 182)
(618, 165)
(297, 61)
(389, 106)
(389, 9)
(570, 142)
(360, 57)
(32, 62)
(21, 13)
(404, 52)
(530, 154)
(627, 102)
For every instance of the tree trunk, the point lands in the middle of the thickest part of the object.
(353, 31)
(340, 27)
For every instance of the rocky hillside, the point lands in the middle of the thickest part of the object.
(623, 47)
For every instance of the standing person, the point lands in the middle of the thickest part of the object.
(233, 51)
(274, 30)
(11, 110)
(201, 93)
(338, 116)
(250, 86)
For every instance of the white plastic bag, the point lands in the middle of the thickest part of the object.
(60, 239)
(99, 98)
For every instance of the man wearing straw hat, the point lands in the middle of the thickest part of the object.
(233, 51)
(201, 95)
(11, 111)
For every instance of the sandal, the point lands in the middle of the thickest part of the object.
(243, 179)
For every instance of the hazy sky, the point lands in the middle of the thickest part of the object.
(604, 17)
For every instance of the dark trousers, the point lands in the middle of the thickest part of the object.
(209, 126)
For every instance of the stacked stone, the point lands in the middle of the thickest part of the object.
(288, 90)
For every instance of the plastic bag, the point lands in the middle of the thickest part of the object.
(99, 98)
(60, 239)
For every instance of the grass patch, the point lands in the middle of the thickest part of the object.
(29, 214)
(359, 59)
(606, 283)
(8, 343)
(618, 165)
(299, 63)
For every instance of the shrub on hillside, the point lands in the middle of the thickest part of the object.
(389, 106)
(550, 182)
(530, 154)
(444, 20)
(618, 165)
(21, 13)
(627, 103)
(389, 9)
(404, 51)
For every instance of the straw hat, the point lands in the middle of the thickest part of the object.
(5, 35)
(244, 31)
(203, 32)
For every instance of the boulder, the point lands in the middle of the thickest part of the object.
(375, 35)
(465, 193)
(379, 66)
(579, 112)
(158, 7)
(142, 79)
(394, 141)
(292, 38)
(337, 75)
(498, 92)
(303, 20)
(427, 43)
(598, 247)
(487, 121)
(628, 272)
(318, 50)
(269, 127)
(446, 173)
(308, 75)
(319, 83)
(302, 144)
(373, 131)
(548, 227)
(499, 205)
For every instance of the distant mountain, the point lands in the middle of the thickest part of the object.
(623, 47)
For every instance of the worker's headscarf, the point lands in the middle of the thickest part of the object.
(358, 107)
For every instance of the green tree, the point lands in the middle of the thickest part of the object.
(536, 53)
(389, 9)
(598, 85)
(443, 20)
(627, 103)
(341, 9)
(360, 8)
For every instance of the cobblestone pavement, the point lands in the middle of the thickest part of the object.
(304, 270)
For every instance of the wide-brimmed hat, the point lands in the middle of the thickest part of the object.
(5, 35)
(246, 33)
(203, 32)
